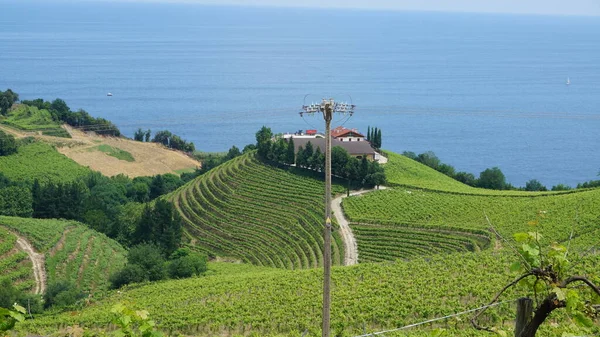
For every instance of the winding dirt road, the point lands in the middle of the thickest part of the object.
(38, 261)
(350, 246)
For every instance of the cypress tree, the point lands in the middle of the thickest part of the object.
(291, 152)
(369, 133)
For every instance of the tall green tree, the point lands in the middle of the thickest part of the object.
(8, 144)
(263, 141)
(291, 152)
(492, 178)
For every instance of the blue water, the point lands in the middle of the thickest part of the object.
(478, 90)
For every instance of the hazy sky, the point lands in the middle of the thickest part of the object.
(561, 7)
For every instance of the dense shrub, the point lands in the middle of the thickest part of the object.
(8, 144)
(62, 294)
(131, 273)
(186, 264)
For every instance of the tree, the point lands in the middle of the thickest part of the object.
(492, 179)
(317, 160)
(139, 135)
(301, 160)
(232, 153)
(466, 178)
(378, 139)
(291, 152)
(8, 144)
(308, 153)
(339, 159)
(147, 135)
(546, 275)
(561, 187)
(150, 259)
(430, 159)
(369, 133)
(534, 185)
(263, 141)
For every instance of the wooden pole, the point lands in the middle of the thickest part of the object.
(327, 230)
(524, 312)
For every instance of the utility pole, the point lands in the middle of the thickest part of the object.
(327, 107)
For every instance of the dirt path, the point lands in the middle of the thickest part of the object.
(38, 261)
(350, 246)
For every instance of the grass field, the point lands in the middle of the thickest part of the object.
(41, 161)
(113, 152)
(257, 213)
(72, 251)
(30, 118)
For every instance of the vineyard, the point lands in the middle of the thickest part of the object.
(366, 298)
(508, 214)
(30, 118)
(40, 161)
(72, 251)
(257, 213)
(14, 264)
(377, 243)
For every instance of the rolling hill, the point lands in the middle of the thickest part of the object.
(257, 213)
(71, 251)
(436, 254)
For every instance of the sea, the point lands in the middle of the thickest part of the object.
(479, 90)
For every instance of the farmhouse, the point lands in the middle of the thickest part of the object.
(358, 149)
(347, 135)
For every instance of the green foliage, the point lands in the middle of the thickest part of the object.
(40, 161)
(492, 179)
(7, 99)
(150, 259)
(8, 144)
(8, 318)
(62, 293)
(534, 185)
(32, 118)
(16, 201)
(263, 141)
(131, 273)
(173, 141)
(133, 323)
(186, 264)
(114, 152)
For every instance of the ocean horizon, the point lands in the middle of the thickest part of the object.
(479, 90)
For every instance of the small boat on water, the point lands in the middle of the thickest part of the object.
(568, 81)
(109, 94)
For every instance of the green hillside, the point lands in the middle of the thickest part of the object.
(30, 118)
(41, 161)
(257, 213)
(366, 298)
(403, 171)
(14, 264)
(72, 252)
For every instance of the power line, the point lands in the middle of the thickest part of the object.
(435, 319)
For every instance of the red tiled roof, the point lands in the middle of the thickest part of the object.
(341, 131)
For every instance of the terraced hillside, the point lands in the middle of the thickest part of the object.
(403, 222)
(14, 263)
(257, 213)
(365, 298)
(40, 161)
(72, 252)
